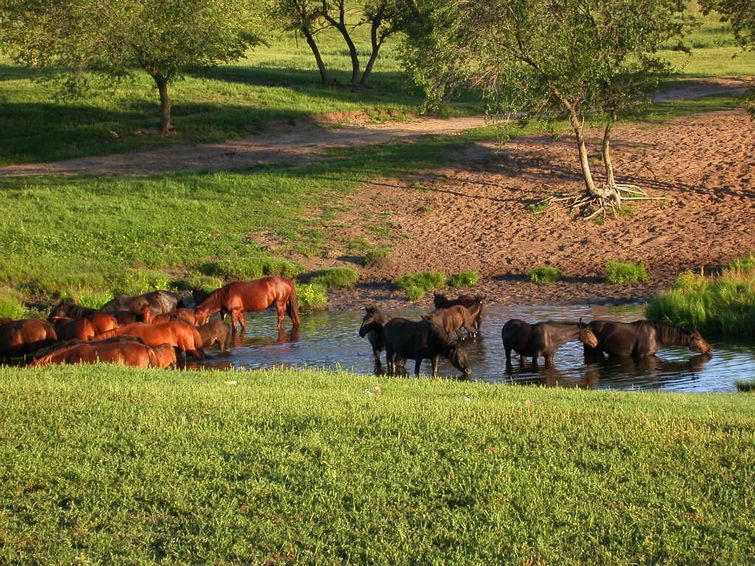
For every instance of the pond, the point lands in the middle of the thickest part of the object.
(329, 340)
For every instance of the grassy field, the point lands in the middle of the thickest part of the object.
(106, 464)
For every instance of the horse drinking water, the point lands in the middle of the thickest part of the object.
(542, 339)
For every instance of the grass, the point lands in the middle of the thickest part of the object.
(416, 285)
(334, 277)
(105, 464)
(251, 268)
(11, 304)
(376, 256)
(720, 305)
(618, 273)
(463, 279)
(311, 296)
(747, 386)
(545, 275)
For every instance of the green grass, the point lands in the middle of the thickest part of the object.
(463, 279)
(334, 277)
(11, 304)
(311, 296)
(250, 268)
(376, 256)
(416, 285)
(545, 275)
(105, 464)
(720, 305)
(618, 273)
(747, 386)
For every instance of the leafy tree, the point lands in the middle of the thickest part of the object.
(117, 37)
(550, 58)
(740, 14)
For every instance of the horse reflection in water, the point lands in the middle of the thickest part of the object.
(219, 361)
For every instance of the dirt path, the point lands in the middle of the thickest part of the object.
(300, 143)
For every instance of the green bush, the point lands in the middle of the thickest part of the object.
(545, 275)
(251, 268)
(618, 273)
(204, 282)
(311, 296)
(138, 281)
(376, 256)
(415, 285)
(745, 385)
(723, 305)
(92, 298)
(464, 279)
(11, 304)
(334, 277)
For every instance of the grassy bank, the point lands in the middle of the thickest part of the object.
(721, 305)
(107, 464)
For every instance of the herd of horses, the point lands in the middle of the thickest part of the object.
(154, 329)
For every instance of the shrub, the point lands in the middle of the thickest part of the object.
(745, 385)
(464, 279)
(251, 268)
(334, 277)
(415, 285)
(311, 296)
(92, 298)
(138, 281)
(204, 282)
(545, 275)
(11, 304)
(618, 273)
(376, 256)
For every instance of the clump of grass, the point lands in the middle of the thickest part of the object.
(745, 385)
(545, 274)
(311, 296)
(93, 298)
(376, 256)
(415, 285)
(204, 282)
(723, 305)
(334, 277)
(538, 207)
(464, 279)
(251, 268)
(618, 273)
(11, 304)
(138, 281)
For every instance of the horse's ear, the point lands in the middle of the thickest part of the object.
(581, 324)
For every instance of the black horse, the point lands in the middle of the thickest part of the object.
(372, 327)
(640, 339)
(542, 339)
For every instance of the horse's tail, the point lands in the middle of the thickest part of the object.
(292, 306)
(153, 361)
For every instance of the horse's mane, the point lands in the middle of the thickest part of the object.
(73, 310)
(669, 334)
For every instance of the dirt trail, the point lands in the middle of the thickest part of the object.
(294, 143)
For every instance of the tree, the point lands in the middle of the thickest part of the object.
(739, 13)
(115, 37)
(550, 58)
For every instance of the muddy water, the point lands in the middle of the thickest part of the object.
(330, 340)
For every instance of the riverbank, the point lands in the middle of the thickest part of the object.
(107, 463)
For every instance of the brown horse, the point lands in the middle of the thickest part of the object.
(179, 314)
(102, 321)
(22, 337)
(215, 332)
(542, 339)
(177, 333)
(640, 339)
(453, 319)
(251, 296)
(158, 302)
(118, 351)
(74, 328)
(472, 302)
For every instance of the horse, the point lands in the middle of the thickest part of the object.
(21, 337)
(372, 327)
(177, 333)
(417, 340)
(126, 352)
(251, 296)
(74, 328)
(179, 314)
(158, 302)
(640, 339)
(102, 321)
(542, 339)
(215, 332)
(453, 319)
(470, 301)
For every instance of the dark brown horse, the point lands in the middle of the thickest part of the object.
(215, 332)
(472, 302)
(251, 296)
(22, 337)
(158, 302)
(118, 351)
(102, 321)
(542, 339)
(640, 338)
(407, 339)
(454, 319)
(372, 327)
(177, 333)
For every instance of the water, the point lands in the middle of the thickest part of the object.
(330, 340)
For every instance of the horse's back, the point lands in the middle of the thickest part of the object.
(618, 339)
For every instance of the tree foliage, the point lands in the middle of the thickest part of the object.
(547, 57)
(116, 37)
(740, 14)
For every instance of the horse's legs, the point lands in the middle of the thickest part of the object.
(197, 354)
(376, 353)
(390, 362)
(548, 359)
(280, 309)
(507, 349)
(434, 362)
(417, 366)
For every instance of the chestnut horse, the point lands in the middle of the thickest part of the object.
(179, 314)
(118, 351)
(472, 302)
(453, 319)
(74, 328)
(251, 296)
(177, 333)
(21, 337)
(640, 339)
(542, 339)
(102, 321)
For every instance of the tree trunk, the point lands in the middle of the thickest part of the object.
(340, 25)
(590, 187)
(610, 180)
(316, 52)
(376, 43)
(165, 103)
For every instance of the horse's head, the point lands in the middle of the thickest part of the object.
(458, 357)
(587, 336)
(698, 344)
(373, 318)
(201, 314)
(147, 315)
(439, 300)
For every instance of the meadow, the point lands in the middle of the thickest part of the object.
(103, 464)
